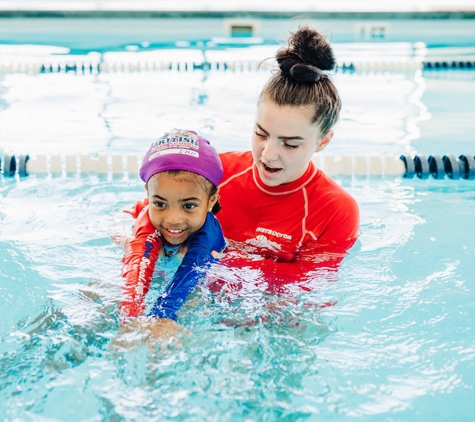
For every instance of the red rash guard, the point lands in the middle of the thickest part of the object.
(311, 221)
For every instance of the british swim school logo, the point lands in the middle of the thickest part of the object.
(176, 139)
(176, 142)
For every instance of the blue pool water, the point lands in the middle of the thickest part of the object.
(388, 338)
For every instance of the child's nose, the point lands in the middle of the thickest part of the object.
(173, 217)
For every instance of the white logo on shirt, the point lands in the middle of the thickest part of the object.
(273, 233)
(262, 242)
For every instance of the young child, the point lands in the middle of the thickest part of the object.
(181, 171)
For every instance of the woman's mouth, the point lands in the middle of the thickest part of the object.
(271, 169)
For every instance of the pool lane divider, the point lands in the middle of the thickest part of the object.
(240, 65)
(407, 166)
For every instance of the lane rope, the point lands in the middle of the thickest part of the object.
(406, 166)
(90, 67)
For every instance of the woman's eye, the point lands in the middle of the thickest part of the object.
(160, 204)
(290, 146)
(260, 135)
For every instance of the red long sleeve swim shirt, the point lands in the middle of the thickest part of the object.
(312, 220)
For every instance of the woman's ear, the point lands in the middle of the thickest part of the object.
(325, 141)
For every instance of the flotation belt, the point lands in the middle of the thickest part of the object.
(141, 255)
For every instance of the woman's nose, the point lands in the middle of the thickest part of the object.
(269, 153)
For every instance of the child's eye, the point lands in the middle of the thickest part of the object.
(160, 204)
(189, 206)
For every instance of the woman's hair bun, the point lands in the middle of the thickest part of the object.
(306, 56)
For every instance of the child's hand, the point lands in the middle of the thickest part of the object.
(144, 329)
(121, 240)
(163, 329)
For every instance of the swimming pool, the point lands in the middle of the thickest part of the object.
(390, 337)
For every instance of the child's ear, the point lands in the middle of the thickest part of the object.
(146, 188)
(212, 200)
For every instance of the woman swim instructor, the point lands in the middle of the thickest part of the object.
(273, 198)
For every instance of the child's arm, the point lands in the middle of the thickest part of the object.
(195, 262)
(141, 254)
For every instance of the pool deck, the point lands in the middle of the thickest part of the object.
(436, 8)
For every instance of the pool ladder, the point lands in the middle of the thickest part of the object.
(407, 166)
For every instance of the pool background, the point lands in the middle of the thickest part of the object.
(390, 337)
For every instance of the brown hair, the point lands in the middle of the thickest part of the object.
(301, 79)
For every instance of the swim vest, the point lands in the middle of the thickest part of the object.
(141, 256)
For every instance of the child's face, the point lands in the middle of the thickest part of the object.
(178, 205)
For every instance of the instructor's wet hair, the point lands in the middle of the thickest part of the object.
(302, 78)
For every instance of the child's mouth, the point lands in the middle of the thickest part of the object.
(173, 233)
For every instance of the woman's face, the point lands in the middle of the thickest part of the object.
(178, 205)
(284, 141)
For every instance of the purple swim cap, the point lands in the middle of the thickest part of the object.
(182, 150)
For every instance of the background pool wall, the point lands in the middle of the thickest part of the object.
(109, 30)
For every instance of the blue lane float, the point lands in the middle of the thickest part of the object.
(451, 167)
(9, 166)
(468, 166)
(22, 163)
(421, 167)
(438, 65)
(462, 167)
(436, 166)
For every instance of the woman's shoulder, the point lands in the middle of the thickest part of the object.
(236, 157)
(325, 190)
(235, 161)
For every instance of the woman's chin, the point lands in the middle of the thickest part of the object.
(270, 178)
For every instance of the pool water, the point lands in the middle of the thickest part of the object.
(388, 337)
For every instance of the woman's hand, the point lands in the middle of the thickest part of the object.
(217, 255)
